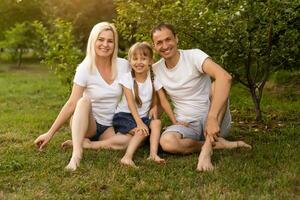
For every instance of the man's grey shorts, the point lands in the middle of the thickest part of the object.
(196, 132)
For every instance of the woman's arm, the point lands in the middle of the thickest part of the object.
(65, 113)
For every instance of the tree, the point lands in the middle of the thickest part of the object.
(59, 49)
(251, 38)
(17, 41)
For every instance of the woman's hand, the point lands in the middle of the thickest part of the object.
(42, 140)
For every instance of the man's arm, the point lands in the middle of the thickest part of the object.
(220, 94)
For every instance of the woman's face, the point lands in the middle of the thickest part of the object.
(104, 45)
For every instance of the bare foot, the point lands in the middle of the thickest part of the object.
(157, 159)
(73, 164)
(221, 143)
(204, 161)
(87, 143)
(66, 144)
(128, 162)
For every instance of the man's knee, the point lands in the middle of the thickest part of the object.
(169, 142)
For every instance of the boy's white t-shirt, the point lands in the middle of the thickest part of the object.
(186, 84)
(104, 97)
(145, 94)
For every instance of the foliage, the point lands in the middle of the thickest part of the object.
(59, 48)
(17, 40)
(16, 11)
(252, 39)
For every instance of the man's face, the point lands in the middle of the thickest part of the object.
(165, 43)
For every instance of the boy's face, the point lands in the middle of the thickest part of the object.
(165, 43)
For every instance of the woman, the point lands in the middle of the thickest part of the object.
(94, 96)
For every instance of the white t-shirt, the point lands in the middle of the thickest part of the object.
(186, 84)
(145, 94)
(104, 97)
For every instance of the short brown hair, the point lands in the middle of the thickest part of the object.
(161, 26)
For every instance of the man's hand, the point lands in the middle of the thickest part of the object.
(212, 128)
(182, 123)
(153, 113)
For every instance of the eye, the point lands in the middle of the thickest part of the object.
(158, 43)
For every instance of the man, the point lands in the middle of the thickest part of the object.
(186, 77)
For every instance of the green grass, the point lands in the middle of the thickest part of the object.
(31, 98)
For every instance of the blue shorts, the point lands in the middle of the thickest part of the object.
(124, 122)
(99, 131)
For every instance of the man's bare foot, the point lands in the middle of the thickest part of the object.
(221, 143)
(204, 161)
(128, 162)
(66, 144)
(157, 159)
(73, 164)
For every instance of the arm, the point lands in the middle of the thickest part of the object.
(220, 94)
(65, 113)
(132, 107)
(167, 108)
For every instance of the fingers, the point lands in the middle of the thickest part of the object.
(142, 131)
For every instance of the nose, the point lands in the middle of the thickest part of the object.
(164, 45)
(105, 43)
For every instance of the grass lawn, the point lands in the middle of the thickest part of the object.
(31, 98)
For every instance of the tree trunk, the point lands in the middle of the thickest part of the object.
(20, 57)
(256, 100)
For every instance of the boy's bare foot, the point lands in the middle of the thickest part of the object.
(221, 143)
(73, 164)
(157, 159)
(204, 161)
(128, 162)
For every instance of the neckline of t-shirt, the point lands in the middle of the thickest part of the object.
(99, 74)
(177, 64)
(141, 83)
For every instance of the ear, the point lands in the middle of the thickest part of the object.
(176, 38)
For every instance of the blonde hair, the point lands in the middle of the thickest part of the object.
(90, 57)
(142, 48)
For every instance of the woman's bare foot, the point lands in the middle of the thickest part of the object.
(73, 164)
(157, 159)
(221, 143)
(128, 162)
(204, 161)
(66, 144)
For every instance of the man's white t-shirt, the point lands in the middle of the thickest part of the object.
(145, 94)
(104, 96)
(187, 85)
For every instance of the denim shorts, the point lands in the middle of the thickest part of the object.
(99, 131)
(124, 122)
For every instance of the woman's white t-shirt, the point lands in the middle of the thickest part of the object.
(104, 96)
(145, 94)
